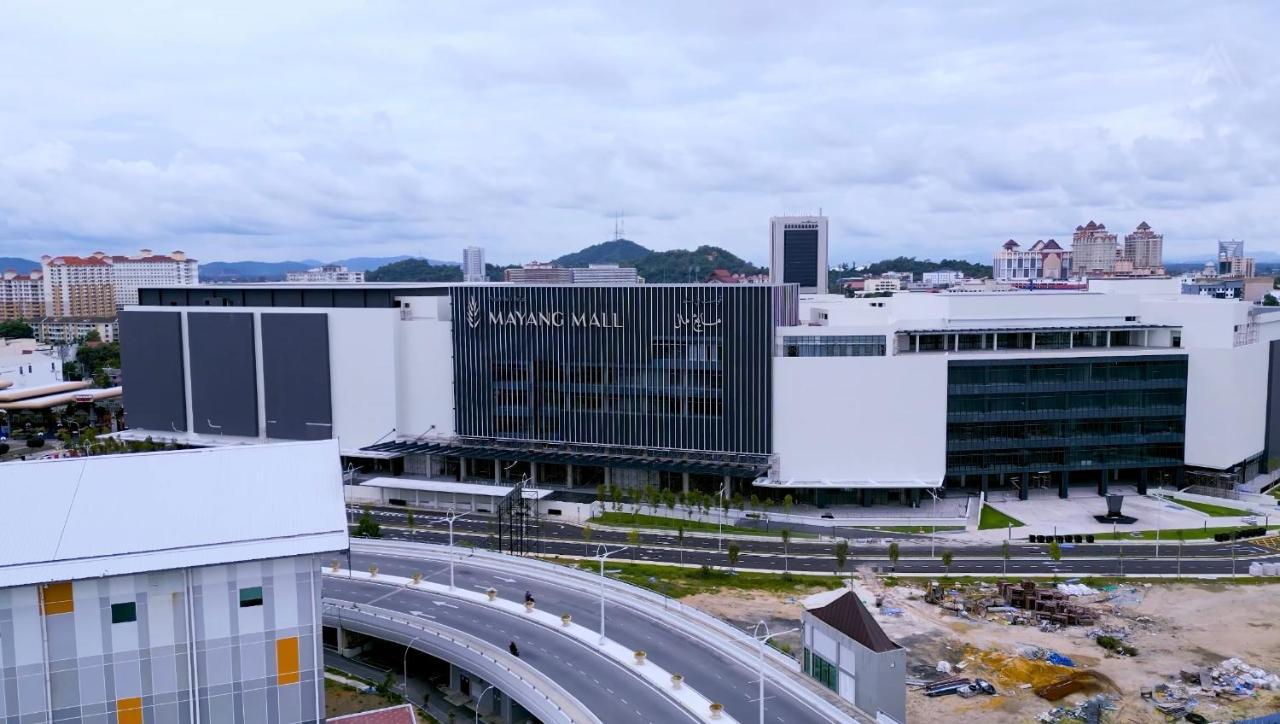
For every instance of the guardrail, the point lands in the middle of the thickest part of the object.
(729, 641)
(485, 658)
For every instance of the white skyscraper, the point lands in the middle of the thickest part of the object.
(473, 264)
(799, 252)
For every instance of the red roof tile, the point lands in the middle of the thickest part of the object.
(402, 714)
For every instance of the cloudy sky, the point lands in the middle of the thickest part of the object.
(278, 130)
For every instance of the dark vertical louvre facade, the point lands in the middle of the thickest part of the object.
(151, 364)
(646, 366)
(295, 376)
(224, 382)
(800, 257)
(1271, 456)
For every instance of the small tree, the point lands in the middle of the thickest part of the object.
(600, 495)
(786, 551)
(894, 553)
(842, 554)
(1055, 554)
(734, 550)
(1004, 554)
(615, 495)
(1182, 536)
(669, 498)
(755, 501)
(947, 557)
(680, 541)
(586, 539)
(1120, 560)
(367, 527)
(633, 537)
(408, 519)
(787, 502)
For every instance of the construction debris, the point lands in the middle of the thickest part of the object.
(1051, 605)
(1089, 711)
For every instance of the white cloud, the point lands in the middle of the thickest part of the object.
(327, 129)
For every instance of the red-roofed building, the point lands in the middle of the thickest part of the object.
(96, 285)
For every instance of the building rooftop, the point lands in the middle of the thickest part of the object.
(402, 714)
(845, 612)
(120, 514)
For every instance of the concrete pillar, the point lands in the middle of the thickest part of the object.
(985, 485)
(1103, 480)
(1142, 482)
(497, 472)
(462, 468)
(913, 499)
(568, 475)
(533, 473)
(1063, 483)
(1024, 486)
(684, 477)
(608, 476)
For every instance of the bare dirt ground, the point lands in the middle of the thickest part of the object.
(1174, 627)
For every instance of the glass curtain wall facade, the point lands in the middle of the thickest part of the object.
(1047, 423)
(666, 367)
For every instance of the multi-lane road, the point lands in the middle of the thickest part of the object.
(917, 556)
(603, 686)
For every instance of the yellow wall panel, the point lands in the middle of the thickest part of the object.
(287, 661)
(58, 598)
(129, 711)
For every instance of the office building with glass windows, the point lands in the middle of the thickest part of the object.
(831, 400)
(116, 608)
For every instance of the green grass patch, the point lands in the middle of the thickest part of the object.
(1275, 492)
(1171, 535)
(992, 518)
(922, 529)
(1217, 511)
(678, 582)
(658, 522)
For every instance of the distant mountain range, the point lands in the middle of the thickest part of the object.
(22, 266)
(268, 271)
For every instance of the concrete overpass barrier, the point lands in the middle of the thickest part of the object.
(537, 693)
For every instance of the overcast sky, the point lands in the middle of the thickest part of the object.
(278, 130)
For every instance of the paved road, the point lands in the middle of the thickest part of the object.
(609, 690)
(718, 679)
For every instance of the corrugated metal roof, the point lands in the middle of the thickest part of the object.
(116, 514)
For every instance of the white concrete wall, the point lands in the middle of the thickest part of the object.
(424, 370)
(861, 418)
(362, 372)
(1226, 405)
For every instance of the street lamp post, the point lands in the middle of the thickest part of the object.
(760, 642)
(933, 527)
(602, 554)
(720, 535)
(405, 664)
(450, 517)
(480, 699)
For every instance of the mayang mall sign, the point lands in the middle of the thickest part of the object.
(600, 320)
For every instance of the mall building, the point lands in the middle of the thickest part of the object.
(831, 400)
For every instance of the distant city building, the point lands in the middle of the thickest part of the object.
(116, 610)
(97, 285)
(473, 264)
(724, 276)
(1042, 260)
(327, 274)
(881, 284)
(547, 273)
(1231, 260)
(68, 330)
(1093, 250)
(941, 278)
(149, 270)
(21, 295)
(798, 252)
(1145, 249)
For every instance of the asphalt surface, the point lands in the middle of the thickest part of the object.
(810, 556)
(711, 675)
(600, 684)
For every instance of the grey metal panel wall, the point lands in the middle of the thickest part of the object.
(152, 370)
(295, 376)
(224, 380)
(1273, 410)
(683, 368)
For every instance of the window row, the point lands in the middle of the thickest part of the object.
(1105, 400)
(909, 342)
(1126, 370)
(822, 670)
(1062, 429)
(1086, 457)
(850, 345)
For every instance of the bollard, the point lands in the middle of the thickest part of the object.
(565, 619)
(640, 657)
(417, 578)
(492, 593)
(676, 681)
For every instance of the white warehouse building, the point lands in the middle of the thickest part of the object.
(831, 400)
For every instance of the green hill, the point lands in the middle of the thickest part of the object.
(682, 265)
(414, 270)
(619, 251)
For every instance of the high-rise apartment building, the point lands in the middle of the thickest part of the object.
(798, 252)
(149, 269)
(21, 295)
(114, 609)
(77, 286)
(327, 274)
(96, 285)
(473, 264)
(1093, 249)
(1231, 259)
(1145, 249)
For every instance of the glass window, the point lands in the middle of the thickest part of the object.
(251, 596)
(124, 612)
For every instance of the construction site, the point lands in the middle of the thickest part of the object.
(1024, 651)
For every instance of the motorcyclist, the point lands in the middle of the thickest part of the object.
(515, 651)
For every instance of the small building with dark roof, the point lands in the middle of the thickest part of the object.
(847, 651)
